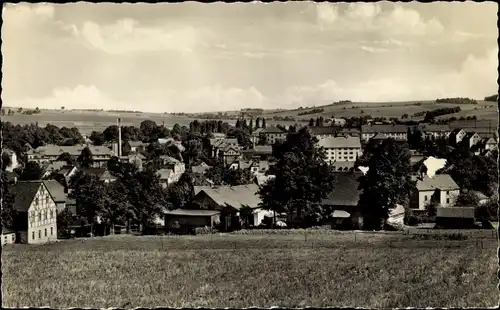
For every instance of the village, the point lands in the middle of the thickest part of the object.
(214, 177)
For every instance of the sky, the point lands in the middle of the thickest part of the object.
(194, 57)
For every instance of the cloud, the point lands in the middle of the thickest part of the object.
(128, 36)
(23, 15)
(369, 17)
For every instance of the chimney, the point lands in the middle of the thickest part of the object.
(119, 138)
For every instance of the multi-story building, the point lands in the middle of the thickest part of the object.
(344, 148)
(441, 189)
(51, 152)
(272, 134)
(434, 131)
(36, 212)
(397, 132)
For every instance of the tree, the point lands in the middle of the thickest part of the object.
(263, 123)
(148, 127)
(467, 198)
(193, 151)
(86, 159)
(62, 108)
(97, 138)
(181, 192)
(302, 179)
(6, 161)
(64, 219)
(262, 139)
(311, 122)
(126, 148)
(31, 172)
(70, 160)
(8, 214)
(386, 183)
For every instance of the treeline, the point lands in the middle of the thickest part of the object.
(493, 98)
(438, 112)
(283, 118)
(313, 111)
(456, 100)
(16, 137)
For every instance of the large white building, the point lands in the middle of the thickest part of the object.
(345, 148)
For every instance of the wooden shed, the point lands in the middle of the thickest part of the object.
(455, 217)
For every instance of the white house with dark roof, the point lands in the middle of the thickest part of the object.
(395, 131)
(344, 148)
(51, 152)
(441, 188)
(471, 139)
(272, 134)
(435, 131)
(457, 135)
(491, 144)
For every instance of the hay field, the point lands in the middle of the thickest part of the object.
(243, 271)
(393, 109)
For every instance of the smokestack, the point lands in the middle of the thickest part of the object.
(119, 137)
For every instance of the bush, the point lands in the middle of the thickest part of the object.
(204, 230)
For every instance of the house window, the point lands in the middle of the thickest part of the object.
(33, 235)
(425, 198)
(5, 238)
(447, 200)
(45, 232)
(36, 201)
(44, 215)
(39, 216)
(51, 231)
(51, 214)
(39, 234)
(46, 199)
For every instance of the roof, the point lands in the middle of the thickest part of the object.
(436, 128)
(93, 171)
(455, 212)
(6, 231)
(198, 189)
(136, 143)
(262, 179)
(340, 142)
(235, 196)
(243, 164)
(165, 141)
(169, 160)
(201, 168)
(329, 130)
(470, 135)
(218, 142)
(56, 165)
(56, 190)
(272, 129)
(263, 149)
(76, 150)
(439, 181)
(491, 140)
(345, 190)
(24, 193)
(164, 173)
(188, 212)
(396, 128)
(139, 155)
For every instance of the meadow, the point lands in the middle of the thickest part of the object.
(237, 270)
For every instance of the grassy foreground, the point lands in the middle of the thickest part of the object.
(245, 271)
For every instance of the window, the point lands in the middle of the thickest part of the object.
(425, 198)
(39, 216)
(5, 238)
(44, 215)
(46, 199)
(45, 232)
(39, 234)
(51, 231)
(447, 200)
(51, 214)
(33, 235)
(351, 152)
(36, 201)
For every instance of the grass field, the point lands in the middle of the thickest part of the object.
(244, 271)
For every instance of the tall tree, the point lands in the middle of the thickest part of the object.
(31, 172)
(181, 192)
(302, 179)
(264, 123)
(8, 214)
(70, 160)
(311, 122)
(86, 159)
(386, 183)
(193, 151)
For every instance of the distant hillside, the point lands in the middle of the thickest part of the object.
(492, 98)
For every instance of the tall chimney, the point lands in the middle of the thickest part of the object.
(119, 137)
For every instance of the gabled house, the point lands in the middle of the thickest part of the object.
(8, 236)
(341, 148)
(201, 168)
(457, 135)
(343, 201)
(397, 132)
(491, 144)
(229, 154)
(102, 173)
(177, 166)
(53, 167)
(263, 152)
(471, 139)
(217, 143)
(136, 159)
(36, 213)
(235, 204)
(455, 217)
(440, 189)
(57, 192)
(137, 146)
(50, 153)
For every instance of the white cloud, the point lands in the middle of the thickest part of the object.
(22, 14)
(128, 35)
(368, 17)
(81, 97)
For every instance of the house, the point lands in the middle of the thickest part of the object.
(13, 159)
(218, 135)
(338, 121)
(455, 217)
(343, 201)
(342, 165)
(8, 236)
(166, 176)
(12, 177)
(333, 131)
(36, 213)
(272, 134)
(384, 136)
(136, 159)
(102, 173)
(177, 167)
(397, 132)
(229, 154)
(471, 139)
(457, 135)
(236, 204)
(440, 189)
(263, 152)
(491, 144)
(261, 179)
(137, 146)
(217, 143)
(341, 148)
(52, 167)
(434, 131)
(201, 168)
(57, 192)
(255, 166)
(51, 152)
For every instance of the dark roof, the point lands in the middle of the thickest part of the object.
(6, 231)
(24, 193)
(345, 191)
(94, 171)
(273, 129)
(11, 175)
(322, 130)
(188, 212)
(56, 190)
(455, 212)
(384, 128)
